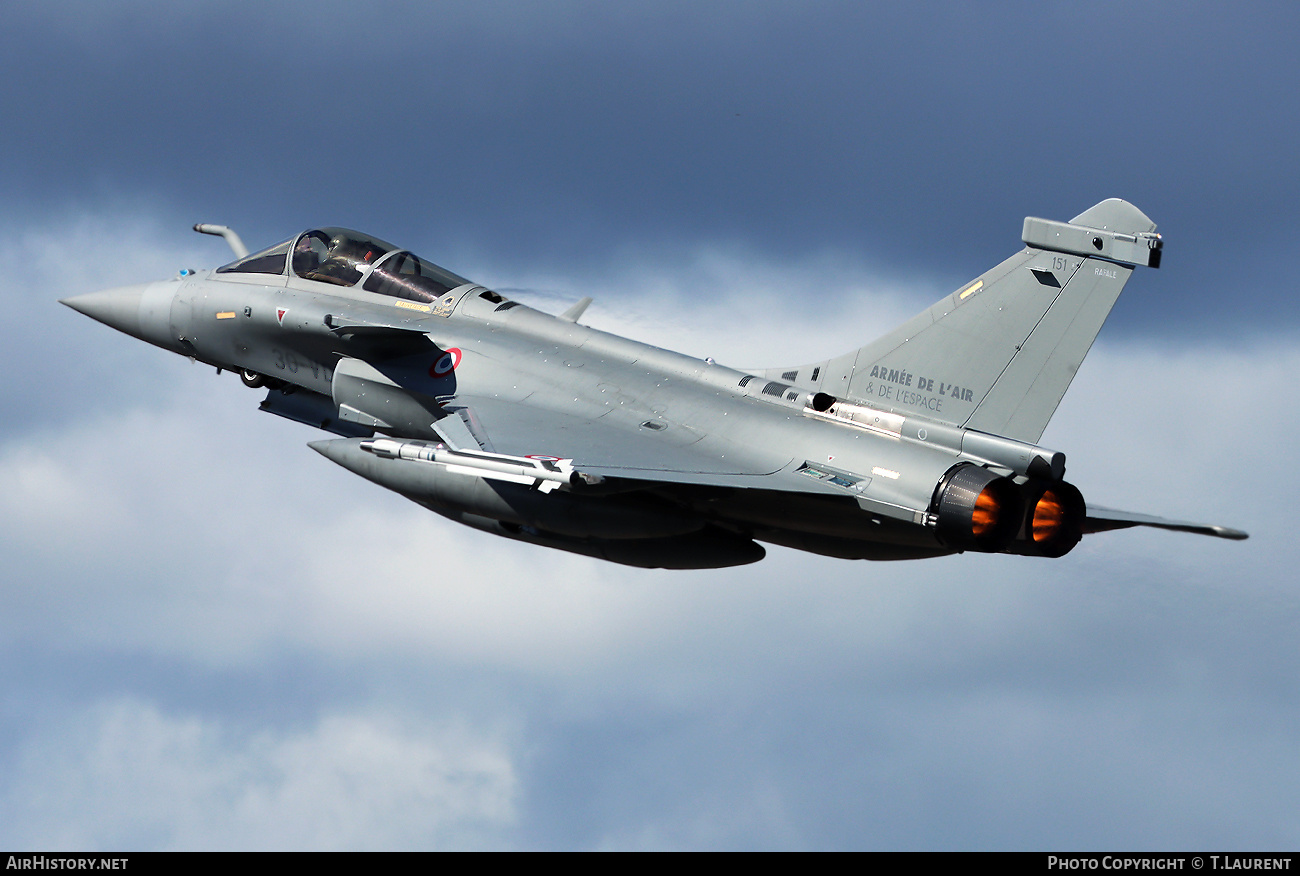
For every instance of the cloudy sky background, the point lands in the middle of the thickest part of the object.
(210, 637)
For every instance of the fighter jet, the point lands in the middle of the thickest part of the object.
(538, 428)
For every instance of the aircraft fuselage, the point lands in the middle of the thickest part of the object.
(537, 428)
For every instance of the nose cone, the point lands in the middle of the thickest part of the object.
(142, 311)
(119, 308)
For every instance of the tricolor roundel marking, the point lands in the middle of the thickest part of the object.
(446, 363)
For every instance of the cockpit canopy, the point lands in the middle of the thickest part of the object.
(348, 258)
(336, 255)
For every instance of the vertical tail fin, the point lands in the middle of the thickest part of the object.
(998, 354)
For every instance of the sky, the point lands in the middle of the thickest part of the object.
(212, 638)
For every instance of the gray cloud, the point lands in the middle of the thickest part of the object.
(121, 774)
(559, 134)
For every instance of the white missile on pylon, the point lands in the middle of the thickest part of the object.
(546, 474)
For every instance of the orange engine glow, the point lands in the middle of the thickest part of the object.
(1049, 517)
(984, 519)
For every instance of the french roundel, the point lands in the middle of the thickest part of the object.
(446, 364)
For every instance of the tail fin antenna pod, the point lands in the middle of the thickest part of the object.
(998, 354)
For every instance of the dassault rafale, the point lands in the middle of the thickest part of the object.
(538, 428)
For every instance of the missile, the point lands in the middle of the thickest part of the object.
(546, 474)
(466, 487)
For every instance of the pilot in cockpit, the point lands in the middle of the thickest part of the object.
(341, 259)
(309, 254)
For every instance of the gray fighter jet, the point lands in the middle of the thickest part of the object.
(537, 428)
